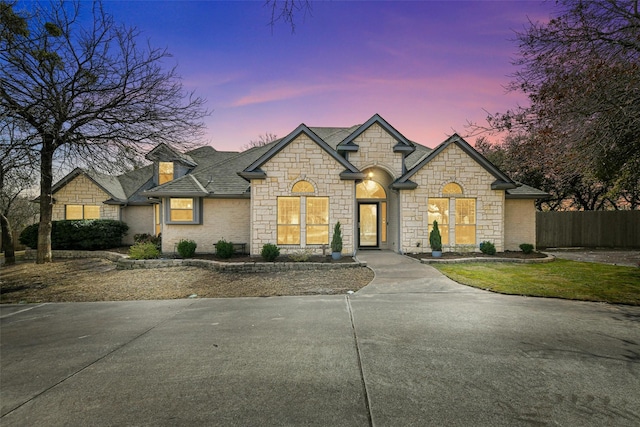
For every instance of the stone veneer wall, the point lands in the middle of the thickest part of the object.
(221, 219)
(82, 191)
(301, 159)
(139, 219)
(519, 223)
(452, 165)
(376, 149)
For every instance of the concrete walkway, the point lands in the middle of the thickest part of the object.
(412, 348)
(399, 274)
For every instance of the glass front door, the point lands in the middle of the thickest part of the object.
(368, 224)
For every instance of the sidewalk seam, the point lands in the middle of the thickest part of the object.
(367, 402)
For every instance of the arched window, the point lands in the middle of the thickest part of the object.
(452, 188)
(370, 190)
(302, 187)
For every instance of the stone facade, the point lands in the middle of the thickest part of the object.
(301, 159)
(82, 191)
(519, 223)
(451, 165)
(376, 149)
(226, 219)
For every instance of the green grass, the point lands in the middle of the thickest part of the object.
(559, 279)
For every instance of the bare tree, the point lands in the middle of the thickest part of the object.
(262, 140)
(287, 11)
(581, 71)
(92, 92)
(16, 176)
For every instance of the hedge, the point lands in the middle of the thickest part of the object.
(79, 234)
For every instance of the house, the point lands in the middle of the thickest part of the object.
(385, 190)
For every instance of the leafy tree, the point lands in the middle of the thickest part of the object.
(581, 72)
(90, 92)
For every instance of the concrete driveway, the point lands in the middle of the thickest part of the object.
(412, 348)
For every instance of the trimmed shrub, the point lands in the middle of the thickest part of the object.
(186, 248)
(270, 252)
(435, 239)
(527, 248)
(487, 248)
(144, 251)
(79, 234)
(336, 240)
(148, 238)
(224, 249)
(300, 256)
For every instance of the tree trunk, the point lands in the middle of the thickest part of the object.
(7, 241)
(46, 200)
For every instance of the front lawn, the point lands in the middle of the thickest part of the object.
(560, 279)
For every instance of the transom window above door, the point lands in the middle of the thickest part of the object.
(369, 189)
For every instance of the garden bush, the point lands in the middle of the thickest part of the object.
(301, 256)
(144, 251)
(186, 248)
(148, 238)
(527, 248)
(487, 248)
(270, 252)
(79, 234)
(224, 249)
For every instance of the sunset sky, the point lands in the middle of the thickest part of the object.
(427, 67)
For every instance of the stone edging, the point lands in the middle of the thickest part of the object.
(123, 262)
(548, 258)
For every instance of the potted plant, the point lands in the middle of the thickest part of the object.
(435, 240)
(336, 242)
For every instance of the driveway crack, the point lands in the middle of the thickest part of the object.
(367, 402)
(104, 356)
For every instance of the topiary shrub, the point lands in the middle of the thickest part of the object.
(435, 239)
(270, 252)
(79, 234)
(336, 240)
(527, 248)
(224, 249)
(186, 248)
(487, 248)
(144, 251)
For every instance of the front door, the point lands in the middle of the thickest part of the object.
(368, 225)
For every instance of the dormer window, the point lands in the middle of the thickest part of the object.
(165, 172)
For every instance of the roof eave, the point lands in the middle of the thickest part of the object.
(404, 185)
(349, 175)
(256, 174)
(403, 148)
(503, 185)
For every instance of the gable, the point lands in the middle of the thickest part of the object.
(468, 154)
(254, 171)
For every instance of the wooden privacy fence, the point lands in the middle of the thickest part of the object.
(613, 229)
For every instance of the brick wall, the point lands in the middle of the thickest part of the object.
(452, 165)
(519, 223)
(301, 159)
(222, 219)
(82, 191)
